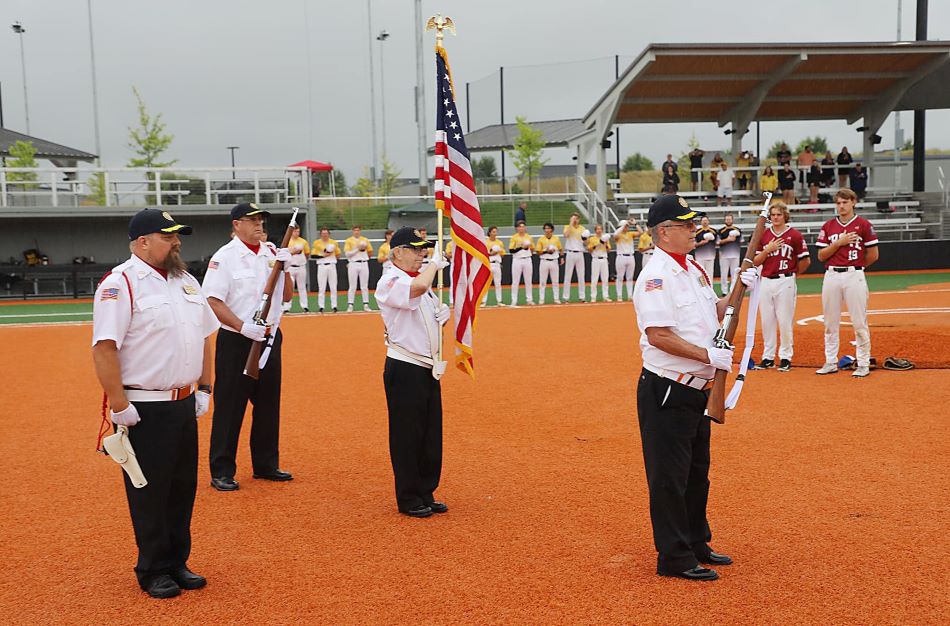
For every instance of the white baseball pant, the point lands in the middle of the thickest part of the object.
(777, 309)
(298, 273)
(496, 280)
(521, 270)
(549, 268)
(626, 265)
(326, 273)
(574, 262)
(358, 270)
(598, 271)
(851, 287)
(728, 273)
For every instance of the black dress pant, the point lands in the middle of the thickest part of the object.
(166, 446)
(232, 390)
(675, 436)
(414, 399)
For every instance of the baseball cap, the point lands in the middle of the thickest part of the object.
(247, 208)
(408, 236)
(670, 207)
(148, 221)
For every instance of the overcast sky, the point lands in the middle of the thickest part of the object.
(236, 72)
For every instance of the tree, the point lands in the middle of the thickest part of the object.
(22, 154)
(97, 188)
(364, 185)
(149, 140)
(339, 182)
(636, 162)
(819, 144)
(389, 178)
(484, 169)
(528, 147)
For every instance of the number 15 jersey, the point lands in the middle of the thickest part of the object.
(785, 259)
(852, 254)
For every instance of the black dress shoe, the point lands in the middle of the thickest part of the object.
(187, 579)
(715, 559)
(162, 586)
(421, 510)
(438, 507)
(275, 475)
(224, 483)
(697, 573)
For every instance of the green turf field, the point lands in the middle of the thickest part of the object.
(40, 312)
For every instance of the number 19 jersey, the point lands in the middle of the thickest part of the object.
(852, 254)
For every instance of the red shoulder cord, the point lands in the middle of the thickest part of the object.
(106, 424)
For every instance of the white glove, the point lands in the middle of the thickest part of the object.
(605, 238)
(496, 248)
(283, 255)
(362, 245)
(254, 332)
(330, 247)
(202, 401)
(442, 314)
(551, 248)
(720, 358)
(709, 236)
(438, 259)
(526, 245)
(749, 276)
(585, 234)
(129, 416)
(734, 233)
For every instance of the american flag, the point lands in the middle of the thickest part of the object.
(455, 194)
(654, 283)
(109, 293)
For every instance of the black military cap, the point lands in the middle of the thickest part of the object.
(408, 236)
(670, 207)
(148, 221)
(247, 208)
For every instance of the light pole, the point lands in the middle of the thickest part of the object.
(95, 93)
(372, 90)
(232, 149)
(381, 37)
(422, 143)
(19, 30)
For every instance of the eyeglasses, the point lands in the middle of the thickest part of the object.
(688, 225)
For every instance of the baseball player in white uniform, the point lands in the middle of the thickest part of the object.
(520, 246)
(599, 246)
(326, 251)
(705, 251)
(299, 252)
(625, 262)
(730, 238)
(549, 249)
(357, 250)
(575, 239)
(496, 252)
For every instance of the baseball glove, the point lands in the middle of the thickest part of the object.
(897, 363)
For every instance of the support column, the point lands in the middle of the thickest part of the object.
(602, 171)
(581, 171)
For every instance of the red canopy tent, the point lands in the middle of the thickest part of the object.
(317, 166)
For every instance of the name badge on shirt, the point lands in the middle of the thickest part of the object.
(191, 291)
(271, 263)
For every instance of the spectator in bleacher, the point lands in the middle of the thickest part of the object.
(784, 155)
(520, 213)
(669, 162)
(786, 182)
(805, 158)
(671, 180)
(859, 180)
(705, 250)
(742, 174)
(769, 180)
(814, 179)
(828, 170)
(696, 162)
(844, 159)
(726, 178)
(715, 167)
(754, 174)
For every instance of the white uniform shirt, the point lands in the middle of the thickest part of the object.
(237, 276)
(159, 328)
(626, 241)
(573, 238)
(668, 296)
(489, 244)
(403, 316)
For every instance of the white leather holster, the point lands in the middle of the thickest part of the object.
(120, 449)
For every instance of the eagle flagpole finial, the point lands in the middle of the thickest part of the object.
(440, 24)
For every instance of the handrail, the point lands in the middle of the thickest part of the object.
(599, 212)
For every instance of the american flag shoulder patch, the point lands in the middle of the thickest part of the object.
(654, 284)
(109, 293)
(213, 265)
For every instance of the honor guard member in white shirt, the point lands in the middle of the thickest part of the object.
(520, 247)
(496, 252)
(575, 239)
(326, 251)
(299, 253)
(705, 250)
(233, 285)
(599, 246)
(730, 239)
(412, 315)
(625, 260)
(151, 345)
(382, 255)
(357, 249)
(678, 315)
(549, 249)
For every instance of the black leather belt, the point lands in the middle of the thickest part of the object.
(622, 254)
(779, 276)
(575, 251)
(363, 261)
(846, 269)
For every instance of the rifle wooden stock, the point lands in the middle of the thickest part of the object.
(252, 367)
(716, 403)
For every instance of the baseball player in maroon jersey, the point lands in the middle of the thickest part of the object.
(782, 253)
(847, 245)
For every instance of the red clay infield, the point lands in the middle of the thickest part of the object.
(830, 493)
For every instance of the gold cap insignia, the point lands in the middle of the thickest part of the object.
(683, 203)
(167, 216)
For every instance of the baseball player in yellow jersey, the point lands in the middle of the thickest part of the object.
(383, 254)
(326, 251)
(625, 261)
(496, 250)
(520, 246)
(575, 237)
(357, 249)
(549, 249)
(428, 255)
(299, 253)
(599, 245)
(645, 248)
